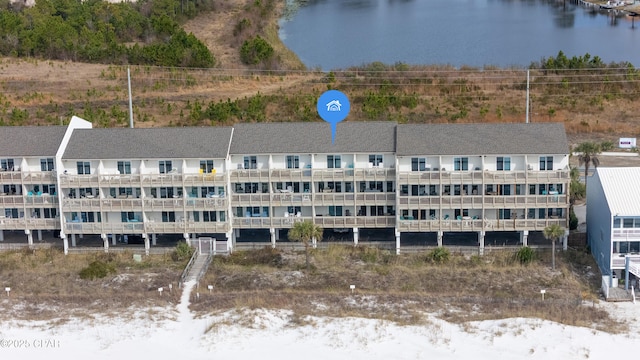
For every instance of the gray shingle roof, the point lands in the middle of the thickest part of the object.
(155, 143)
(313, 137)
(469, 139)
(20, 141)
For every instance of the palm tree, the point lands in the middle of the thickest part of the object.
(553, 233)
(305, 232)
(588, 156)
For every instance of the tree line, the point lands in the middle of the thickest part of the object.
(146, 32)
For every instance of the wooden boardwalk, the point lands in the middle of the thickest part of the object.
(617, 294)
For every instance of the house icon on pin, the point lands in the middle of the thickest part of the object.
(333, 105)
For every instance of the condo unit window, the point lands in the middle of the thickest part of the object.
(164, 166)
(294, 209)
(348, 186)
(124, 167)
(461, 164)
(458, 212)
(418, 164)
(209, 216)
(165, 192)
(250, 162)
(376, 210)
(168, 216)
(333, 162)
(504, 213)
(335, 210)
(6, 164)
(196, 216)
(546, 163)
(376, 160)
(53, 212)
(9, 189)
(46, 164)
(11, 213)
(84, 167)
(90, 217)
(335, 186)
(126, 216)
(503, 164)
(206, 166)
(293, 162)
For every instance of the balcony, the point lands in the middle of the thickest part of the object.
(288, 198)
(45, 200)
(548, 177)
(120, 180)
(478, 225)
(104, 228)
(206, 203)
(168, 179)
(11, 201)
(259, 199)
(206, 227)
(291, 175)
(67, 181)
(29, 223)
(487, 201)
(249, 175)
(628, 234)
(39, 177)
(10, 177)
(322, 221)
(355, 221)
(478, 177)
(164, 204)
(618, 261)
(330, 198)
(375, 197)
(124, 204)
(209, 179)
(81, 204)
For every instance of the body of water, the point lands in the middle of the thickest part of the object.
(333, 34)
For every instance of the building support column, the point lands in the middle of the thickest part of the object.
(524, 238)
(113, 239)
(314, 242)
(440, 236)
(154, 239)
(146, 244)
(39, 235)
(481, 243)
(565, 240)
(231, 240)
(73, 240)
(80, 236)
(186, 239)
(1, 235)
(105, 240)
(65, 244)
(356, 236)
(273, 232)
(29, 237)
(397, 241)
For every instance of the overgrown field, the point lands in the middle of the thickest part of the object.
(589, 101)
(402, 288)
(45, 283)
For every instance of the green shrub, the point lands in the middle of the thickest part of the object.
(97, 270)
(439, 255)
(182, 252)
(525, 255)
(573, 220)
(255, 51)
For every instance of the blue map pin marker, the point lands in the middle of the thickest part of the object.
(333, 107)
